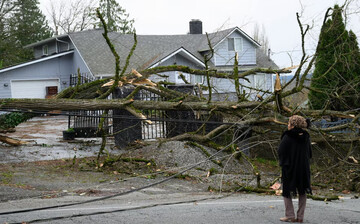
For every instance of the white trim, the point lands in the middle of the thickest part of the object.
(44, 79)
(101, 76)
(35, 61)
(45, 41)
(241, 32)
(235, 48)
(47, 50)
(181, 49)
(81, 57)
(214, 57)
(255, 80)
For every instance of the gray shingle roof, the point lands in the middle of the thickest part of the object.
(149, 50)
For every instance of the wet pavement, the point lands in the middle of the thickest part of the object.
(45, 142)
(34, 185)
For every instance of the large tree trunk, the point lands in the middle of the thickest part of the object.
(95, 104)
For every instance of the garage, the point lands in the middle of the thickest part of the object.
(34, 88)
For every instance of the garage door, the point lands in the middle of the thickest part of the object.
(31, 88)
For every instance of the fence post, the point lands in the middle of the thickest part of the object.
(174, 128)
(127, 128)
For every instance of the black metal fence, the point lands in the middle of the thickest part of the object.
(127, 128)
(84, 78)
(86, 123)
(157, 128)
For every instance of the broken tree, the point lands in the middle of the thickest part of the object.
(267, 112)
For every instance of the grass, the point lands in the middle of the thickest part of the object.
(6, 177)
(266, 162)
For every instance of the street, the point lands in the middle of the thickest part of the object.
(149, 208)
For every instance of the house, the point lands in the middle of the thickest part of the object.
(58, 57)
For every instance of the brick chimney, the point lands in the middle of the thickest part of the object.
(195, 26)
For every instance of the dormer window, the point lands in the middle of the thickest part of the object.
(45, 50)
(235, 44)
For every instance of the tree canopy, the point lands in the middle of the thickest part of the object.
(70, 16)
(21, 23)
(335, 82)
(115, 16)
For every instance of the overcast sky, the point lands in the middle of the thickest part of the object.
(278, 17)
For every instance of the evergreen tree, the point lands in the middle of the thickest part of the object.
(28, 23)
(337, 65)
(24, 24)
(116, 18)
(6, 9)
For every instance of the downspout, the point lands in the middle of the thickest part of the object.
(68, 45)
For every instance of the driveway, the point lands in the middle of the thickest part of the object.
(45, 142)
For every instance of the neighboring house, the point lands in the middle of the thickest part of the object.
(58, 57)
(299, 99)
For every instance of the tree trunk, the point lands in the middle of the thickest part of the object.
(94, 104)
(11, 141)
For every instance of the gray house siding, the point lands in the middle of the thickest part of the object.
(269, 82)
(224, 89)
(79, 63)
(38, 51)
(223, 57)
(56, 68)
(174, 76)
(54, 46)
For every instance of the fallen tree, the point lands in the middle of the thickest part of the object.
(265, 116)
(93, 95)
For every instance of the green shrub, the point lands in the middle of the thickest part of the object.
(13, 119)
(70, 130)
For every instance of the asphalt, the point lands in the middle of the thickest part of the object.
(180, 208)
(175, 201)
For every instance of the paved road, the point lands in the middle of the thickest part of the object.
(238, 208)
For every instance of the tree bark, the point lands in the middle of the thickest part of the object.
(11, 141)
(97, 104)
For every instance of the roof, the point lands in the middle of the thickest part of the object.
(35, 61)
(182, 51)
(150, 49)
(45, 41)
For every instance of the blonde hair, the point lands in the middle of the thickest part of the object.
(298, 121)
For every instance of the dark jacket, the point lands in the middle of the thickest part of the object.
(294, 154)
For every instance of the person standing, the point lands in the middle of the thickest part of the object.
(294, 154)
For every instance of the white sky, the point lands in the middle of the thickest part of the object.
(277, 16)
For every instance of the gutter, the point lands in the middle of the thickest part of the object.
(61, 41)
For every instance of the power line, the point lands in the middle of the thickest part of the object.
(132, 190)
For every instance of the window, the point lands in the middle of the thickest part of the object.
(179, 79)
(45, 50)
(235, 44)
(197, 79)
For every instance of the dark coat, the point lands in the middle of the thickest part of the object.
(294, 155)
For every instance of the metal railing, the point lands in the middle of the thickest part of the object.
(84, 78)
